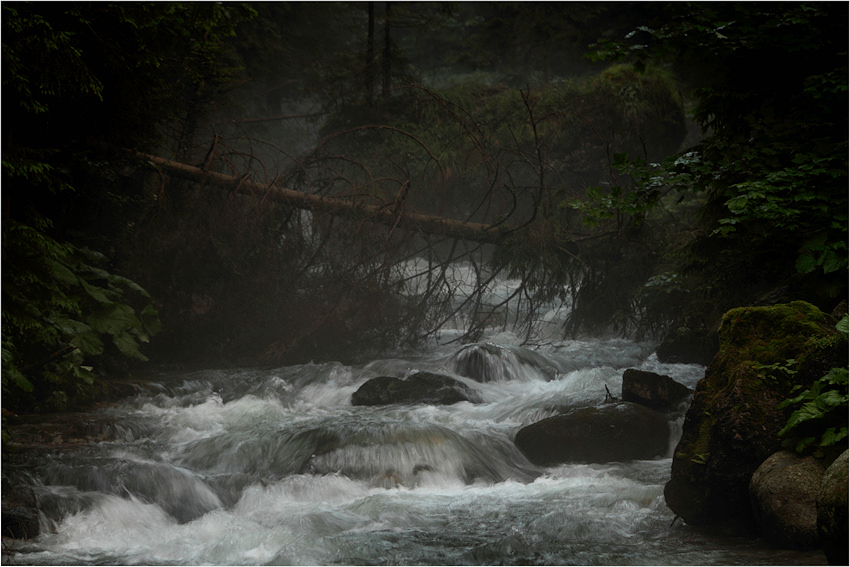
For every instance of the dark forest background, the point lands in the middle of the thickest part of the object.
(652, 165)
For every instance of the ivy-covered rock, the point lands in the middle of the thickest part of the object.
(736, 413)
(783, 491)
(610, 432)
(418, 388)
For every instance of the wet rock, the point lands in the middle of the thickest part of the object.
(832, 523)
(611, 432)
(783, 491)
(19, 511)
(418, 388)
(653, 390)
(488, 362)
(733, 421)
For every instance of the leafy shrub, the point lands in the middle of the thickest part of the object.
(820, 418)
(61, 312)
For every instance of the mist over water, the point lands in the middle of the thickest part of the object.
(275, 466)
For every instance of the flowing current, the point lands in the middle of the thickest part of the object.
(258, 466)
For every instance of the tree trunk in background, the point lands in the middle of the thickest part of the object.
(385, 85)
(370, 57)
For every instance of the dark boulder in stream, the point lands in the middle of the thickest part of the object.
(610, 432)
(418, 388)
(733, 421)
(653, 390)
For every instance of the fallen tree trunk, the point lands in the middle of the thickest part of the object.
(387, 214)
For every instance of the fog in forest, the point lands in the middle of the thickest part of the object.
(358, 283)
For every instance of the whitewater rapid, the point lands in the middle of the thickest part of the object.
(275, 466)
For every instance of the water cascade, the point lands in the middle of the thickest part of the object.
(276, 466)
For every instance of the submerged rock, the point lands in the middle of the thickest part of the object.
(653, 390)
(783, 491)
(418, 388)
(389, 453)
(488, 362)
(733, 421)
(611, 432)
(832, 522)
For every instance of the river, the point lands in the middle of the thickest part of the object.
(275, 466)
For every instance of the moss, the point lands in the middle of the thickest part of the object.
(770, 335)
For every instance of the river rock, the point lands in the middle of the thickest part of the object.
(620, 431)
(832, 512)
(783, 492)
(653, 390)
(418, 388)
(733, 421)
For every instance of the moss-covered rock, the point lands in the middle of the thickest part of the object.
(733, 422)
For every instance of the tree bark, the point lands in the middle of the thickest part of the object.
(387, 62)
(394, 216)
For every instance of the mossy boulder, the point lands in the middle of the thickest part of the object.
(733, 422)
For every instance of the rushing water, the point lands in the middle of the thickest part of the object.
(276, 466)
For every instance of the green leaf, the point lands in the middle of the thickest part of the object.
(61, 272)
(71, 327)
(89, 343)
(128, 346)
(113, 319)
(84, 373)
(806, 264)
(832, 436)
(843, 325)
(96, 293)
(150, 320)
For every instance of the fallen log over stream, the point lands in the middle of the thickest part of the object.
(392, 214)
